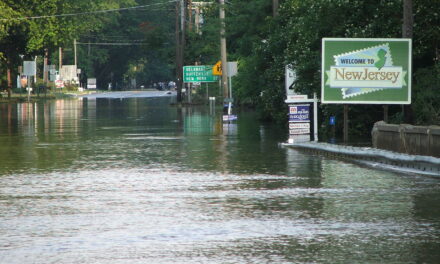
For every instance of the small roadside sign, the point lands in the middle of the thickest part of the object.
(217, 69)
(332, 120)
(29, 68)
(227, 118)
(91, 83)
(299, 113)
(290, 78)
(299, 128)
(59, 84)
(232, 68)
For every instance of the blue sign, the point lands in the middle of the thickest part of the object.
(229, 118)
(332, 121)
(299, 113)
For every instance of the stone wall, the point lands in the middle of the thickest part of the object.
(414, 140)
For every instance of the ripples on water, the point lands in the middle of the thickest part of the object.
(151, 193)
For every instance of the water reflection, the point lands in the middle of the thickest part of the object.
(81, 179)
(69, 132)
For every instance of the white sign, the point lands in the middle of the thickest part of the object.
(229, 117)
(91, 83)
(297, 98)
(298, 139)
(29, 68)
(59, 84)
(68, 72)
(290, 78)
(299, 128)
(299, 125)
(232, 68)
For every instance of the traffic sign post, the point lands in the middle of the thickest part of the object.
(29, 68)
(200, 73)
(299, 122)
(300, 119)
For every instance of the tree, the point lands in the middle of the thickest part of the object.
(31, 27)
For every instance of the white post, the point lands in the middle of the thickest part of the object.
(74, 49)
(230, 96)
(315, 118)
(230, 86)
(35, 76)
(28, 88)
(223, 51)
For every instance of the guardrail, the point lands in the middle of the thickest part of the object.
(381, 159)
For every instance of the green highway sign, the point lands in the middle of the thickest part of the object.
(366, 71)
(199, 73)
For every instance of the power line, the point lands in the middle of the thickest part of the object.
(111, 43)
(89, 12)
(114, 39)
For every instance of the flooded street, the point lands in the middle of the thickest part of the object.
(137, 180)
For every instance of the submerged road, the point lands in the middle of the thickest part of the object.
(131, 94)
(141, 181)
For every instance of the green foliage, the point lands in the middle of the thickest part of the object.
(294, 37)
(203, 47)
(147, 63)
(31, 37)
(262, 44)
(246, 25)
(426, 99)
(71, 87)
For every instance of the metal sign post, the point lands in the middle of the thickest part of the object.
(299, 111)
(232, 71)
(29, 69)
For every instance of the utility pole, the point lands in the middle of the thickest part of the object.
(408, 20)
(180, 46)
(190, 25)
(35, 76)
(223, 50)
(275, 5)
(8, 73)
(407, 32)
(45, 68)
(74, 51)
(60, 51)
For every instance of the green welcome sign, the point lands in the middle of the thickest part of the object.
(366, 71)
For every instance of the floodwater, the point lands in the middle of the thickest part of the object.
(136, 180)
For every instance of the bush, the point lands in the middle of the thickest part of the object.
(426, 96)
(71, 87)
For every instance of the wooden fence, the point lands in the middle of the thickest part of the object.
(415, 140)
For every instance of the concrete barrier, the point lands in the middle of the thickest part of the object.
(404, 138)
(377, 158)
